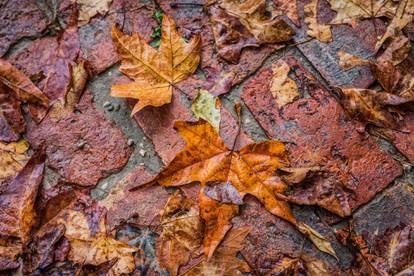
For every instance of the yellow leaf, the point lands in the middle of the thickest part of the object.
(154, 72)
(13, 157)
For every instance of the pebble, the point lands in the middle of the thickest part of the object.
(141, 145)
(110, 108)
(106, 104)
(117, 107)
(131, 142)
(142, 164)
(142, 152)
(81, 144)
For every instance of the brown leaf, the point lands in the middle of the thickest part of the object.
(13, 157)
(224, 261)
(318, 240)
(386, 74)
(350, 11)
(369, 105)
(182, 233)
(251, 170)
(21, 85)
(348, 61)
(403, 16)
(217, 221)
(319, 31)
(283, 88)
(17, 198)
(155, 73)
(252, 14)
(303, 265)
(397, 51)
(298, 175)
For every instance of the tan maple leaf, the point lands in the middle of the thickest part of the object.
(155, 73)
(94, 246)
(251, 170)
(351, 11)
(90, 8)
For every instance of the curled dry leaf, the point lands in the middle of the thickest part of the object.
(348, 61)
(371, 106)
(217, 221)
(318, 240)
(17, 215)
(182, 233)
(403, 15)
(283, 88)
(13, 157)
(90, 245)
(154, 72)
(17, 197)
(21, 85)
(207, 107)
(298, 175)
(252, 14)
(90, 8)
(397, 51)
(303, 265)
(224, 261)
(319, 31)
(386, 74)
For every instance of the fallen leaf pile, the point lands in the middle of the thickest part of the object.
(207, 137)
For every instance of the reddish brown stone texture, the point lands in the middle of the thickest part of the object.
(51, 56)
(96, 40)
(358, 40)
(84, 146)
(140, 207)
(18, 19)
(271, 238)
(392, 209)
(404, 141)
(318, 131)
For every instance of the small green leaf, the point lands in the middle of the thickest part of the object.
(157, 16)
(155, 43)
(207, 107)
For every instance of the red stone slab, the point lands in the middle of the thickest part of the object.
(18, 19)
(82, 146)
(140, 207)
(319, 132)
(271, 238)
